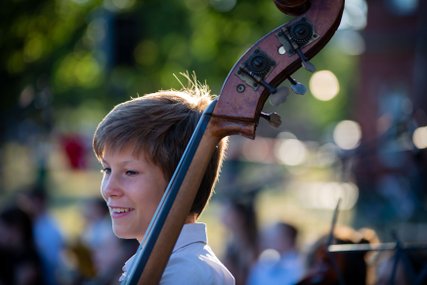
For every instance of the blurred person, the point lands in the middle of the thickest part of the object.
(109, 257)
(339, 268)
(81, 264)
(139, 144)
(20, 263)
(97, 223)
(280, 261)
(96, 231)
(241, 249)
(99, 252)
(48, 236)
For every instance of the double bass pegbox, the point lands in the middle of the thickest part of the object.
(255, 69)
(259, 64)
(294, 37)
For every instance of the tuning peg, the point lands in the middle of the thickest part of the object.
(297, 87)
(272, 118)
(279, 96)
(304, 61)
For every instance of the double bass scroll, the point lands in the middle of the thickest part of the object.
(273, 59)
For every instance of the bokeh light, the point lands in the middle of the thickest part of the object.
(326, 155)
(347, 134)
(291, 151)
(324, 85)
(325, 195)
(419, 137)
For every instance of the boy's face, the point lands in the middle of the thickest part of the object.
(132, 187)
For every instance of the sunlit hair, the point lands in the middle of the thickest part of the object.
(159, 126)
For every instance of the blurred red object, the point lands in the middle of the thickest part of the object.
(75, 149)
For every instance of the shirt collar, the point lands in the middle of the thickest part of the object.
(191, 233)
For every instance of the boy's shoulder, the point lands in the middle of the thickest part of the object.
(196, 264)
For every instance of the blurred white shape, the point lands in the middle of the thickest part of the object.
(326, 155)
(355, 15)
(291, 152)
(347, 134)
(325, 195)
(324, 85)
(286, 135)
(350, 42)
(269, 255)
(419, 137)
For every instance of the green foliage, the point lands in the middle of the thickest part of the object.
(68, 49)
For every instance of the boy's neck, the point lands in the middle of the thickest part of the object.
(191, 218)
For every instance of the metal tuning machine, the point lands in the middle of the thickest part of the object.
(296, 36)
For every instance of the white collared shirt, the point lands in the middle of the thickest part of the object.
(192, 261)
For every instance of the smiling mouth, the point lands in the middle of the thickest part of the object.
(120, 210)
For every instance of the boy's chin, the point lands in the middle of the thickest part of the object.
(122, 234)
(125, 234)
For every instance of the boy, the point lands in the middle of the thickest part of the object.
(139, 144)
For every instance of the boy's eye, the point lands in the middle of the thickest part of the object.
(131, 172)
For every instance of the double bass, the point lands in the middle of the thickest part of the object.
(253, 79)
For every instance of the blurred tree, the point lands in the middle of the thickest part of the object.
(64, 63)
(34, 37)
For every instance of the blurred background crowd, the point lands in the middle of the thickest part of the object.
(357, 140)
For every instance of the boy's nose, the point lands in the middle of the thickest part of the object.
(110, 187)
